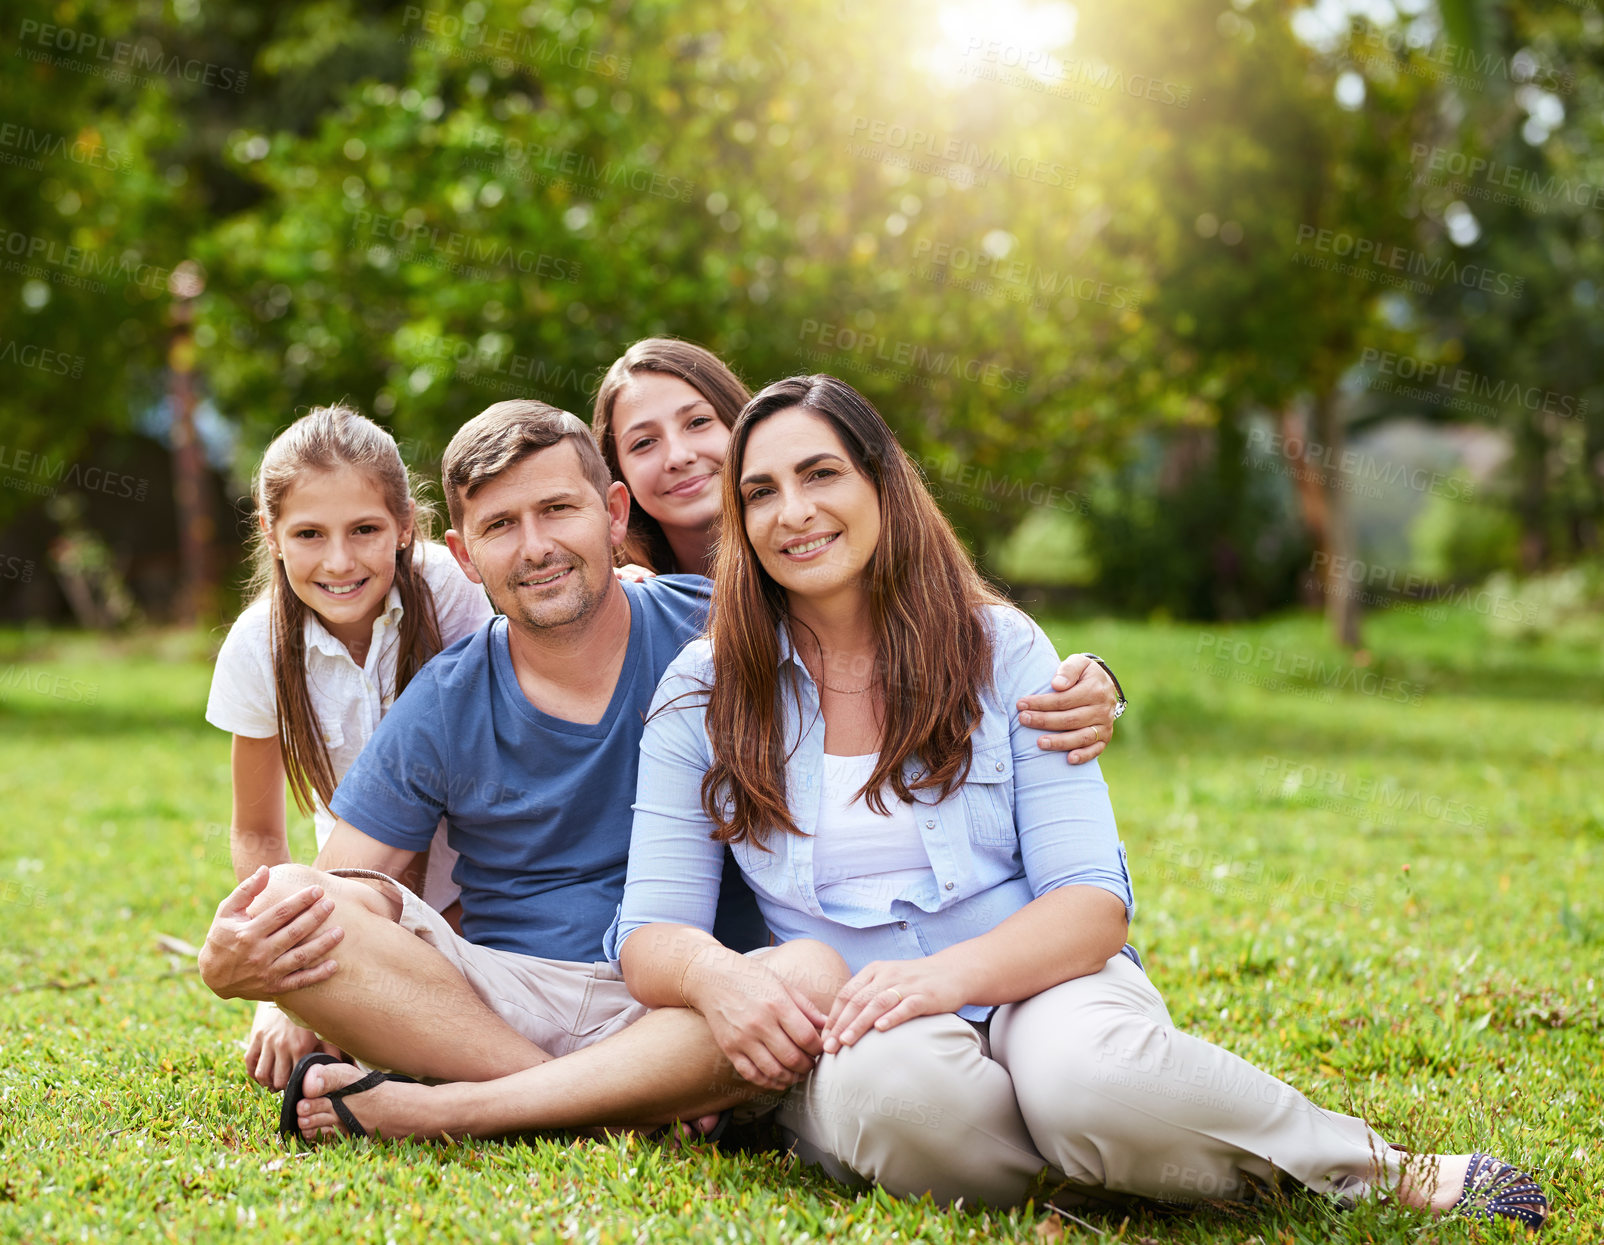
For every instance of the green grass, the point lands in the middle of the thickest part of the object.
(1347, 933)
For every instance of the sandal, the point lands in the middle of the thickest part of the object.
(289, 1125)
(1496, 1190)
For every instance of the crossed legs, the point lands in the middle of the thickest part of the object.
(400, 1003)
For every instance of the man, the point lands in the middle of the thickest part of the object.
(525, 736)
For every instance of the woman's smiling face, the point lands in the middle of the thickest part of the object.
(671, 446)
(812, 515)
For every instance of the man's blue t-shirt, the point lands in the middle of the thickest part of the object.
(539, 807)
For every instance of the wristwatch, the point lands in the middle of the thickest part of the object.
(1120, 691)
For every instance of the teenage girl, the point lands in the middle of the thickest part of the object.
(349, 600)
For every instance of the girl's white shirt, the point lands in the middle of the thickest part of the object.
(348, 699)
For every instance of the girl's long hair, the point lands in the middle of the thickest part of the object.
(704, 372)
(926, 601)
(323, 440)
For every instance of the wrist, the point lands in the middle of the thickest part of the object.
(706, 975)
(961, 968)
(1120, 703)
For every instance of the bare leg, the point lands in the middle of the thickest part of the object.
(397, 1002)
(664, 1067)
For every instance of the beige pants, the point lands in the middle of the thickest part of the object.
(1090, 1078)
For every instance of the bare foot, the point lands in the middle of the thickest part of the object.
(391, 1109)
(1433, 1181)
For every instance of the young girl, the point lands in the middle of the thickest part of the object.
(349, 601)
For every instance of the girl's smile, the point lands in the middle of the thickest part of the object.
(338, 544)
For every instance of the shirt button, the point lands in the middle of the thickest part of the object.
(949, 885)
(902, 925)
(930, 824)
(999, 767)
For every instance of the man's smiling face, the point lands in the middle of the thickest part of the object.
(540, 538)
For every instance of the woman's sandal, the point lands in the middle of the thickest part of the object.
(289, 1125)
(1496, 1190)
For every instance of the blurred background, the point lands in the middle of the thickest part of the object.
(1193, 310)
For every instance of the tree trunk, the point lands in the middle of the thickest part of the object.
(1314, 448)
(196, 591)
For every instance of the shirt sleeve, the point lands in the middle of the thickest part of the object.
(1065, 821)
(675, 866)
(460, 605)
(242, 700)
(395, 790)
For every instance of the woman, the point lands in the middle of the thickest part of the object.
(995, 1021)
(663, 417)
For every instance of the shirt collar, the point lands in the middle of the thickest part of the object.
(789, 654)
(320, 638)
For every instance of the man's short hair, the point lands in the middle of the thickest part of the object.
(502, 436)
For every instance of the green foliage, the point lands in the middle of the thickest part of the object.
(1562, 607)
(1456, 543)
(1392, 906)
(1195, 536)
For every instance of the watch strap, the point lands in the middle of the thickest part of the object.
(1118, 690)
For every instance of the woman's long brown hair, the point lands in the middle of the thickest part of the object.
(322, 440)
(704, 372)
(926, 601)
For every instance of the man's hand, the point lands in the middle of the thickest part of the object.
(1080, 710)
(767, 1029)
(277, 1044)
(275, 952)
(885, 994)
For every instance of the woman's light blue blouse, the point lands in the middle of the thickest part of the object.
(1025, 822)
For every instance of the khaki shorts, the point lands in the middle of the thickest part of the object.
(559, 1005)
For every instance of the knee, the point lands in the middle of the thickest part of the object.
(282, 882)
(352, 897)
(813, 966)
(1083, 1078)
(897, 1085)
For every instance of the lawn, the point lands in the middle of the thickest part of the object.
(1378, 882)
